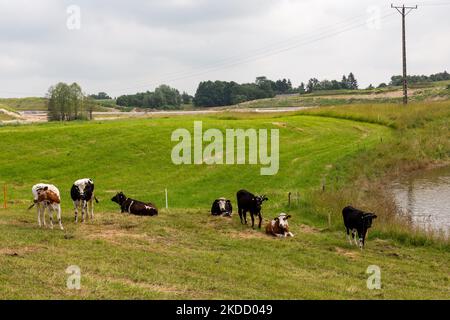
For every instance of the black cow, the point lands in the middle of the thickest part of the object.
(357, 221)
(134, 206)
(222, 206)
(82, 194)
(249, 202)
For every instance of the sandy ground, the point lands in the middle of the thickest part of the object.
(41, 116)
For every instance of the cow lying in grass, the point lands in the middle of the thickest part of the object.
(279, 226)
(46, 196)
(135, 207)
(222, 207)
(359, 222)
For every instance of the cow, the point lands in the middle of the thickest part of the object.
(82, 194)
(279, 226)
(47, 196)
(249, 202)
(134, 206)
(222, 207)
(358, 222)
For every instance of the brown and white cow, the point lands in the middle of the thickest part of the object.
(47, 196)
(279, 226)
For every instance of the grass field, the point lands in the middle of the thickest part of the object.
(184, 252)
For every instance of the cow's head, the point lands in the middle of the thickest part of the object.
(222, 202)
(42, 193)
(259, 200)
(367, 219)
(119, 198)
(282, 220)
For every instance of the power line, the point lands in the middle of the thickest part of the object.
(290, 45)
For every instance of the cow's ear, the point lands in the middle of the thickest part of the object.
(276, 219)
(374, 216)
(45, 188)
(288, 216)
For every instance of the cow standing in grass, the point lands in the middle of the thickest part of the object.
(358, 222)
(249, 202)
(82, 194)
(47, 196)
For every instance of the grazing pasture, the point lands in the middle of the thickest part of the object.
(184, 252)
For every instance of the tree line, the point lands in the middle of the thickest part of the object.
(398, 80)
(67, 102)
(164, 97)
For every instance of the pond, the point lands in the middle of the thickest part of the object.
(425, 196)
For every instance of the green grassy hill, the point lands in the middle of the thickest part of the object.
(184, 252)
(431, 91)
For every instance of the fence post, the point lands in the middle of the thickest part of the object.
(4, 196)
(167, 202)
(289, 200)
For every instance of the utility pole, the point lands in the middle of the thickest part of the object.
(404, 12)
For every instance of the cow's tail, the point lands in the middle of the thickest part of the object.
(96, 200)
(34, 203)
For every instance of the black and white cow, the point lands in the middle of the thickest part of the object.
(222, 207)
(135, 207)
(82, 193)
(358, 222)
(249, 202)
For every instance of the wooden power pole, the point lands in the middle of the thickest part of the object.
(404, 11)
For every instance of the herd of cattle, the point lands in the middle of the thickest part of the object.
(47, 196)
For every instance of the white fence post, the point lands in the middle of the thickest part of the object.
(167, 202)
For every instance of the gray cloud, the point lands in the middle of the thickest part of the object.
(126, 46)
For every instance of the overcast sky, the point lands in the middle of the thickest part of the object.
(128, 46)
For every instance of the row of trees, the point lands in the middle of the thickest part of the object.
(100, 96)
(347, 82)
(67, 102)
(223, 93)
(441, 76)
(164, 97)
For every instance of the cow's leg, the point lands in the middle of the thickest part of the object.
(244, 213)
(361, 239)
(354, 236)
(38, 210)
(260, 220)
(91, 204)
(75, 205)
(43, 215)
(82, 210)
(253, 219)
(50, 213)
(59, 217)
(348, 236)
(240, 215)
